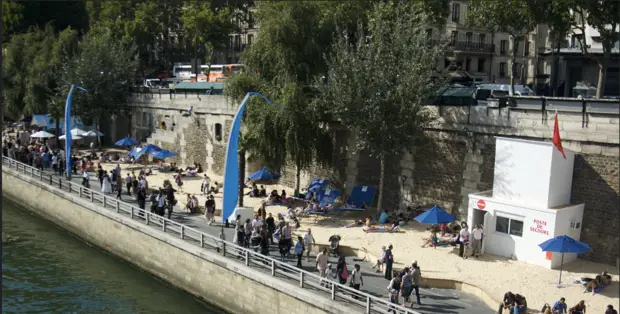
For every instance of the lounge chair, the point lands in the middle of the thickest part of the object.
(382, 229)
(315, 185)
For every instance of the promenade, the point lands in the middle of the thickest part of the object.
(433, 300)
(493, 274)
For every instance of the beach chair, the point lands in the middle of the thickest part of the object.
(382, 229)
(325, 198)
(315, 185)
(359, 195)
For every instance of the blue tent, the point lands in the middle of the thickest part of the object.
(362, 195)
(163, 154)
(127, 141)
(435, 215)
(318, 184)
(564, 244)
(327, 197)
(264, 175)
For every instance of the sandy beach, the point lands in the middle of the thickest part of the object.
(495, 275)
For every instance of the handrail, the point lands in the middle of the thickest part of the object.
(305, 279)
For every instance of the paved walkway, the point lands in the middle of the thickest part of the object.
(433, 300)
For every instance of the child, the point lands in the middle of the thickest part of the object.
(330, 273)
(380, 261)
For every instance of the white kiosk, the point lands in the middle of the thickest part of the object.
(529, 203)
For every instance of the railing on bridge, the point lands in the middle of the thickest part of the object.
(306, 280)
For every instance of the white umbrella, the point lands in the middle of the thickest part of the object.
(78, 132)
(74, 137)
(42, 134)
(93, 134)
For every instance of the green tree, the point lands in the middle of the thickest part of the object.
(513, 17)
(603, 16)
(559, 20)
(106, 67)
(385, 109)
(207, 28)
(11, 18)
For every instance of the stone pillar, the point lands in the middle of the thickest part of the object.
(352, 159)
(407, 166)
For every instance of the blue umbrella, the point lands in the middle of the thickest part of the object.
(147, 149)
(262, 174)
(435, 215)
(127, 141)
(163, 154)
(564, 244)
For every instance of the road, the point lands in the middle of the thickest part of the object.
(433, 300)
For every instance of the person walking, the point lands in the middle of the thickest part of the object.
(271, 227)
(171, 200)
(204, 188)
(389, 261)
(119, 186)
(308, 242)
(406, 286)
(299, 250)
(342, 271)
(247, 232)
(356, 279)
(161, 203)
(394, 290)
(141, 196)
(239, 232)
(476, 243)
(321, 264)
(128, 183)
(210, 209)
(416, 278)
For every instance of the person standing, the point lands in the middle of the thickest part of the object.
(308, 242)
(271, 226)
(394, 290)
(389, 261)
(321, 263)
(287, 236)
(119, 186)
(356, 278)
(247, 233)
(299, 250)
(128, 183)
(141, 196)
(204, 188)
(239, 232)
(416, 278)
(55, 163)
(464, 237)
(476, 235)
(161, 203)
(171, 200)
(406, 286)
(210, 209)
(342, 271)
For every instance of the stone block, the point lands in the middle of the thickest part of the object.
(472, 167)
(470, 184)
(571, 126)
(598, 137)
(472, 176)
(606, 127)
(591, 149)
(610, 151)
(406, 172)
(406, 164)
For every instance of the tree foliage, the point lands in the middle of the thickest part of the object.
(378, 87)
(514, 17)
(106, 67)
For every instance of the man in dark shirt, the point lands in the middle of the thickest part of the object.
(611, 310)
(520, 305)
(508, 301)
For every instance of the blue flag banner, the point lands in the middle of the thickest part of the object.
(230, 191)
(68, 138)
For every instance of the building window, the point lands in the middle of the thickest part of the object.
(502, 69)
(453, 36)
(481, 65)
(250, 19)
(481, 39)
(250, 38)
(517, 70)
(503, 47)
(467, 64)
(237, 42)
(145, 120)
(469, 37)
(526, 49)
(509, 226)
(456, 12)
(429, 33)
(218, 132)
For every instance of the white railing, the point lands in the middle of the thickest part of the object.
(304, 279)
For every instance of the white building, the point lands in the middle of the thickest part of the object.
(529, 203)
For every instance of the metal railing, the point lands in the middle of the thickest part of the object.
(282, 270)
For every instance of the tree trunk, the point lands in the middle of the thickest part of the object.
(57, 121)
(381, 183)
(602, 67)
(297, 178)
(241, 176)
(556, 70)
(513, 66)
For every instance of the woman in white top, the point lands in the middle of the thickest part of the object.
(106, 185)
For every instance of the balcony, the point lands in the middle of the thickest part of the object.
(469, 46)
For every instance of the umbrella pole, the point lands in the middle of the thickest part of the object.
(561, 267)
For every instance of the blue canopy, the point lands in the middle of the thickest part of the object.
(564, 244)
(362, 195)
(147, 149)
(46, 121)
(163, 154)
(127, 141)
(435, 215)
(327, 197)
(264, 174)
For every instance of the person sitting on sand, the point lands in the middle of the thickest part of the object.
(215, 188)
(262, 192)
(383, 218)
(592, 285)
(520, 305)
(290, 212)
(274, 197)
(283, 196)
(254, 192)
(433, 240)
(580, 308)
(357, 223)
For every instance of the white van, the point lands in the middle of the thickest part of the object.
(486, 91)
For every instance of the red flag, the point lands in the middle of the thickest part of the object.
(557, 141)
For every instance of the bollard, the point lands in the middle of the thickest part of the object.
(333, 291)
(247, 258)
(118, 207)
(202, 240)
(103, 201)
(301, 279)
(51, 182)
(163, 225)
(273, 268)
(367, 305)
(146, 218)
(182, 232)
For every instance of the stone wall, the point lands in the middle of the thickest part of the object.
(195, 137)
(595, 183)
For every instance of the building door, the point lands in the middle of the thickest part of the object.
(486, 230)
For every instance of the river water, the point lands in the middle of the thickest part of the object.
(45, 270)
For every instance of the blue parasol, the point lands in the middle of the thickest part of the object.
(163, 154)
(435, 215)
(564, 244)
(127, 141)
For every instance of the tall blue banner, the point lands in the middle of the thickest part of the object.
(230, 191)
(68, 138)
